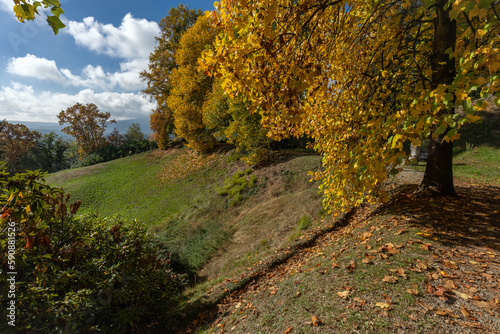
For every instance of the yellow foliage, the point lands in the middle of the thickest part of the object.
(355, 76)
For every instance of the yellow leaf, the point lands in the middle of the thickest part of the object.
(343, 294)
(384, 306)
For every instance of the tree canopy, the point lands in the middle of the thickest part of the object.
(16, 141)
(161, 64)
(361, 78)
(87, 124)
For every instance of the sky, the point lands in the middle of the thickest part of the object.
(96, 59)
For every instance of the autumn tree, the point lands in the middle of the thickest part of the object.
(361, 78)
(16, 141)
(162, 125)
(27, 10)
(87, 124)
(115, 138)
(190, 86)
(231, 121)
(161, 64)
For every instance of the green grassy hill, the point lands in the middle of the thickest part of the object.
(204, 205)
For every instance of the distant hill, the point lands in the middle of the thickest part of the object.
(122, 126)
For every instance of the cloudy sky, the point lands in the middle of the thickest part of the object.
(95, 59)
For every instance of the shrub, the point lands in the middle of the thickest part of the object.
(110, 152)
(79, 274)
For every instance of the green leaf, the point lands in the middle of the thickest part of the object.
(452, 132)
(57, 11)
(55, 23)
(484, 4)
(448, 97)
(54, 3)
(441, 129)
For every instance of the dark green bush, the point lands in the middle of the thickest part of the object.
(80, 274)
(110, 152)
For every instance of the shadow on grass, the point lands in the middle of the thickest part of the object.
(470, 219)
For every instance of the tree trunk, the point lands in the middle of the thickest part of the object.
(438, 172)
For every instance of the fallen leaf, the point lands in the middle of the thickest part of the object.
(343, 294)
(440, 312)
(384, 306)
(401, 231)
(485, 304)
(450, 264)
(465, 312)
(426, 247)
(412, 291)
(288, 330)
(401, 272)
(316, 321)
(351, 266)
(359, 300)
(449, 284)
(390, 279)
(462, 295)
(366, 260)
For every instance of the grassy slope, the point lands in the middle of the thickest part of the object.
(133, 187)
(176, 193)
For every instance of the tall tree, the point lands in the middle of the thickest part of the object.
(190, 86)
(361, 78)
(134, 133)
(16, 141)
(161, 64)
(87, 124)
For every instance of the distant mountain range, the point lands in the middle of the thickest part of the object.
(121, 126)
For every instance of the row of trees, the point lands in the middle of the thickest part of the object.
(23, 149)
(191, 103)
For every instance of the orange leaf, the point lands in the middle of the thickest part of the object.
(316, 321)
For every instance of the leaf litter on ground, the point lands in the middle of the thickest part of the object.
(417, 263)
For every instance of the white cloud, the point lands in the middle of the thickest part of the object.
(133, 39)
(132, 42)
(91, 76)
(34, 67)
(20, 102)
(6, 6)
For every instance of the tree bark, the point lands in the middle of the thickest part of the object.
(438, 172)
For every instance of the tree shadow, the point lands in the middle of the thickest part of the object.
(472, 218)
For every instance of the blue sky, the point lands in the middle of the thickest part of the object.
(95, 59)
